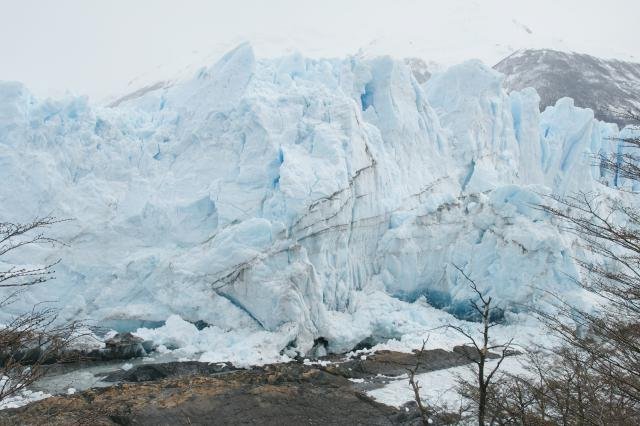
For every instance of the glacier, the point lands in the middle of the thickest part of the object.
(297, 198)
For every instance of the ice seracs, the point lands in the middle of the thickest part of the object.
(283, 196)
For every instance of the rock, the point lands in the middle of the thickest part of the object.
(471, 353)
(121, 346)
(366, 343)
(153, 372)
(281, 394)
(391, 363)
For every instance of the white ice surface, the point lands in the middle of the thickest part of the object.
(283, 200)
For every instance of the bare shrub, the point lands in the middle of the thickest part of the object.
(30, 340)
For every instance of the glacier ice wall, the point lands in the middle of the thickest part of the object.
(276, 194)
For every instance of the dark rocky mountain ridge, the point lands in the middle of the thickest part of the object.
(607, 86)
(603, 85)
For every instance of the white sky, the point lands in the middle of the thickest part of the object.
(97, 47)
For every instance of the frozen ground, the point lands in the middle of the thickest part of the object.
(21, 397)
(438, 388)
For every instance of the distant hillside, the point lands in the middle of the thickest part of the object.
(592, 82)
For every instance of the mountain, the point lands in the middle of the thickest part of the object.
(280, 201)
(600, 84)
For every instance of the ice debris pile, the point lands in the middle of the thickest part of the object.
(298, 198)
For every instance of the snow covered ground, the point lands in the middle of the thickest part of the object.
(21, 397)
(439, 388)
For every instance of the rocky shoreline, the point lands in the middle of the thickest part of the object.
(329, 391)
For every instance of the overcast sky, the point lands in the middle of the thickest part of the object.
(104, 48)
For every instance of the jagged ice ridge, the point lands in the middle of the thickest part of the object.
(295, 198)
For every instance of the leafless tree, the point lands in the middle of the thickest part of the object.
(481, 349)
(34, 338)
(624, 164)
(610, 230)
(560, 387)
(594, 376)
(16, 235)
(415, 386)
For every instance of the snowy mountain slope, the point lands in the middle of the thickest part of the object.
(599, 84)
(299, 197)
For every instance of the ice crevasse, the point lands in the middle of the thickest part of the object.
(308, 198)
